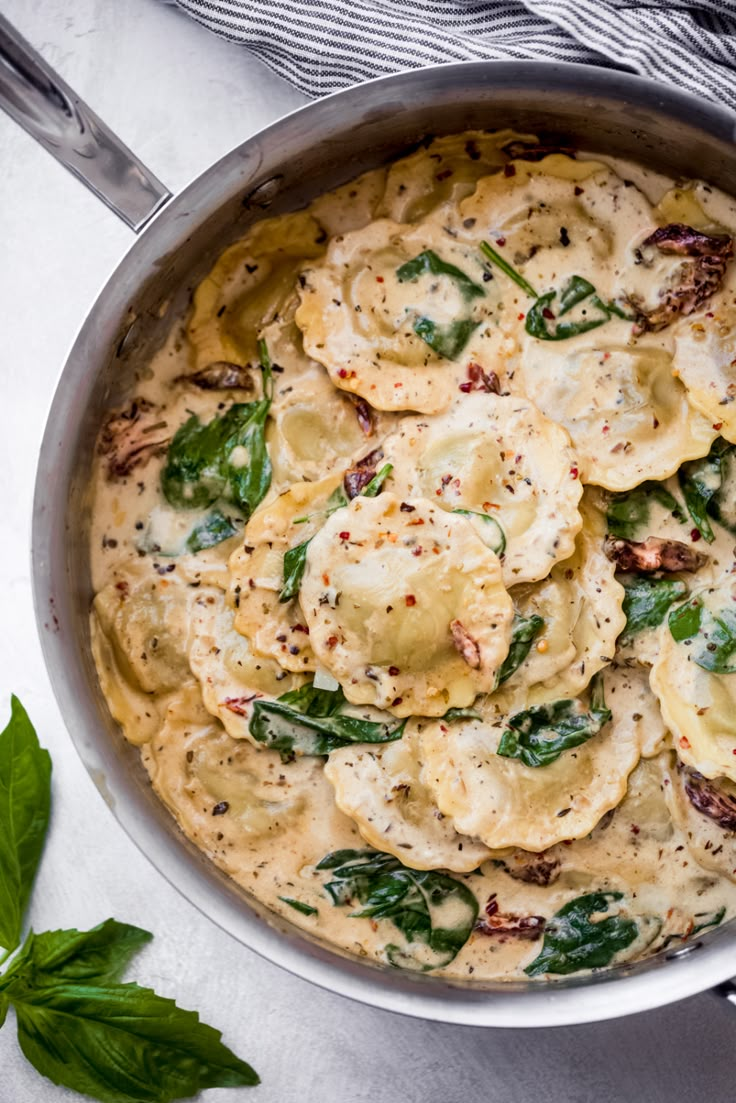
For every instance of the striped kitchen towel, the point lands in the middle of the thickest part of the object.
(322, 45)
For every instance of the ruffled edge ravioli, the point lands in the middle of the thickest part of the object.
(357, 316)
(504, 803)
(405, 606)
(381, 789)
(499, 457)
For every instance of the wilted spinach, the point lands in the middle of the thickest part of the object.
(498, 541)
(714, 636)
(524, 630)
(310, 721)
(575, 291)
(215, 528)
(427, 907)
(447, 340)
(629, 510)
(646, 602)
(573, 940)
(429, 263)
(705, 485)
(225, 458)
(541, 733)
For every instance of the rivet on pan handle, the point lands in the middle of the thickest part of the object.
(46, 107)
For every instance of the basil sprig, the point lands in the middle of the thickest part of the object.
(295, 559)
(646, 602)
(430, 909)
(628, 511)
(574, 941)
(705, 484)
(714, 635)
(541, 733)
(428, 263)
(311, 721)
(497, 535)
(78, 1024)
(524, 630)
(215, 528)
(199, 463)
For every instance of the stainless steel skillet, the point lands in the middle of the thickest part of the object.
(316, 148)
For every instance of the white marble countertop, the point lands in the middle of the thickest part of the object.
(181, 98)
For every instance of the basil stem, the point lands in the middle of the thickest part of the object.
(428, 908)
(541, 733)
(574, 941)
(490, 253)
(429, 263)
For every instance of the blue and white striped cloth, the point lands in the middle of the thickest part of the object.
(323, 45)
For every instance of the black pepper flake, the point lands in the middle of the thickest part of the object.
(221, 808)
(564, 236)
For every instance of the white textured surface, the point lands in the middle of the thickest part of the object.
(181, 99)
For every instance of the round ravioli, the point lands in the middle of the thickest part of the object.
(259, 570)
(249, 286)
(581, 606)
(405, 606)
(445, 171)
(499, 461)
(231, 677)
(504, 802)
(381, 789)
(396, 312)
(699, 704)
(705, 358)
(225, 793)
(705, 811)
(629, 420)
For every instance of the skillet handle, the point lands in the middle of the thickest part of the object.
(727, 991)
(46, 107)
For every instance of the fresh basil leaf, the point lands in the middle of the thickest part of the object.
(628, 511)
(299, 905)
(430, 909)
(225, 458)
(714, 636)
(295, 562)
(541, 733)
(702, 483)
(121, 1043)
(573, 941)
(448, 340)
(498, 542)
(575, 291)
(25, 803)
(429, 263)
(78, 957)
(524, 630)
(490, 253)
(215, 528)
(374, 487)
(310, 721)
(646, 602)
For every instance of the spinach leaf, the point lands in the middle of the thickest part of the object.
(541, 733)
(646, 602)
(310, 721)
(490, 253)
(702, 483)
(225, 458)
(428, 908)
(120, 1043)
(25, 803)
(295, 562)
(448, 340)
(460, 714)
(524, 630)
(498, 544)
(715, 635)
(573, 941)
(575, 291)
(299, 905)
(374, 487)
(428, 262)
(215, 528)
(77, 957)
(628, 511)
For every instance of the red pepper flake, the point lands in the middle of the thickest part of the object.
(446, 479)
(332, 642)
(574, 472)
(443, 175)
(393, 671)
(606, 429)
(410, 600)
(446, 730)
(710, 314)
(718, 425)
(685, 743)
(300, 628)
(500, 241)
(466, 388)
(396, 701)
(634, 829)
(417, 551)
(694, 535)
(379, 279)
(547, 313)
(520, 317)
(343, 373)
(344, 535)
(122, 586)
(579, 190)
(406, 508)
(238, 705)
